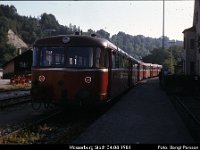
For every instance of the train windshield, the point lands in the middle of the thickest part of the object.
(71, 57)
(52, 56)
(87, 57)
(79, 57)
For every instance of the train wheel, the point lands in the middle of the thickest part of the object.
(36, 106)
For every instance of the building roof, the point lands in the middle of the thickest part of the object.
(192, 29)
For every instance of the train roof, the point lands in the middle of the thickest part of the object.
(80, 40)
(70, 40)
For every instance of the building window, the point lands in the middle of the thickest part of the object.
(23, 64)
(192, 42)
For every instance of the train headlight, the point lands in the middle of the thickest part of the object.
(65, 39)
(41, 78)
(88, 79)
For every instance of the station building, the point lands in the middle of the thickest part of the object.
(20, 64)
(191, 56)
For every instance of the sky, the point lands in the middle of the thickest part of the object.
(132, 17)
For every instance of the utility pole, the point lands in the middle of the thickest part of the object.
(171, 63)
(163, 30)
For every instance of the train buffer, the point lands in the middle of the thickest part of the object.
(144, 115)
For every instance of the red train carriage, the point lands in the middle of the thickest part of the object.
(78, 70)
(120, 72)
(146, 71)
(135, 74)
(81, 70)
(155, 69)
(152, 70)
(140, 70)
(159, 67)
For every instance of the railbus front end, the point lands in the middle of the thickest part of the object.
(69, 71)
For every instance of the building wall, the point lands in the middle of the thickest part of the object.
(19, 65)
(190, 53)
(9, 68)
(196, 23)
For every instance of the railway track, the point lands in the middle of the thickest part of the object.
(73, 127)
(19, 135)
(11, 101)
(57, 127)
(188, 108)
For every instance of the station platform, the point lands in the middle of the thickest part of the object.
(144, 115)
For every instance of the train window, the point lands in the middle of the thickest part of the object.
(113, 60)
(135, 66)
(117, 60)
(121, 61)
(79, 57)
(101, 59)
(97, 59)
(52, 56)
(106, 61)
(126, 62)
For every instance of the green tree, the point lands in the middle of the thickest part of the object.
(158, 56)
(103, 34)
(164, 57)
(48, 21)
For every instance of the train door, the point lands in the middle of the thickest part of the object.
(135, 73)
(151, 71)
(114, 74)
(138, 72)
(109, 89)
(144, 71)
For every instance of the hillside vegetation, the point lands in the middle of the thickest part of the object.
(30, 28)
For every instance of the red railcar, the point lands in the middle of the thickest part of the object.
(159, 67)
(81, 70)
(146, 71)
(155, 69)
(140, 70)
